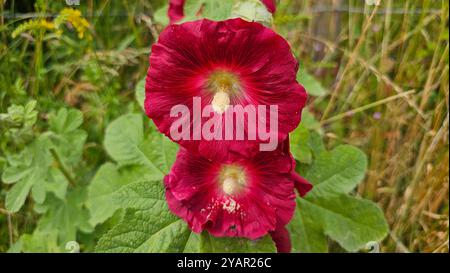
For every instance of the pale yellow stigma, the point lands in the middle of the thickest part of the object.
(233, 179)
(220, 102)
(224, 87)
(229, 186)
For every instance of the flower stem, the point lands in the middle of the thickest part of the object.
(62, 167)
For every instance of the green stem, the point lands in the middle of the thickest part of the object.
(365, 107)
(62, 167)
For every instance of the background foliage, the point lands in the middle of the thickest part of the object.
(80, 162)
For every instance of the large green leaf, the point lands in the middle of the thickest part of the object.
(66, 217)
(350, 221)
(328, 210)
(125, 143)
(307, 235)
(144, 231)
(37, 242)
(149, 226)
(37, 168)
(65, 120)
(338, 171)
(27, 175)
(139, 157)
(123, 138)
(299, 140)
(100, 201)
(210, 9)
(160, 15)
(253, 11)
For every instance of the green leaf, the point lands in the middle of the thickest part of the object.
(300, 149)
(347, 220)
(142, 231)
(28, 175)
(16, 196)
(210, 244)
(65, 120)
(193, 244)
(252, 11)
(100, 202)
(305, 139)
(20, 116)
(338, 171)
(217, 10)
(148, 225)
(310, 122)
(37, 242)
(57, 183)
(33, 169)
(143, 195)
(140, 93)
(65, 217)
(13, 174)
(312, 85)
(211, 9)
(315, 143)
(125, 143)
(328, 210)
(306, 232)
(160, 15)
(58, 226)
(139, 158)
(69, 146)
(122, 139)
(105, 185)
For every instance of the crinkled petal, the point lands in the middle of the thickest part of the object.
(267, 201)
(187, 54)
(176, 10)
(282, 239)
(270, 5)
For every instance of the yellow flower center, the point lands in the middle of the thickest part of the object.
(224, 85)
(232, 178)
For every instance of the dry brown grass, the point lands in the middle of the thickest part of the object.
(387, 71)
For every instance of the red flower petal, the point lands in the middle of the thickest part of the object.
(301, 184)
(176, 10)
(197, 191)
(255, 58)
(282, 239)
(270, 4)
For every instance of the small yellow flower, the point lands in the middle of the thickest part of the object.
(33, 25)
(74, 17)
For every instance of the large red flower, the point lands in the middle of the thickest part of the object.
(176, 9)
(225, 63)
(237, 196)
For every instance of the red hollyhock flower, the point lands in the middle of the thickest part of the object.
(234, 196)
(176, 9)
(227, 63)
(270, 5)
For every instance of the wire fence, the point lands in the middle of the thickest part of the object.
(316, 10)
